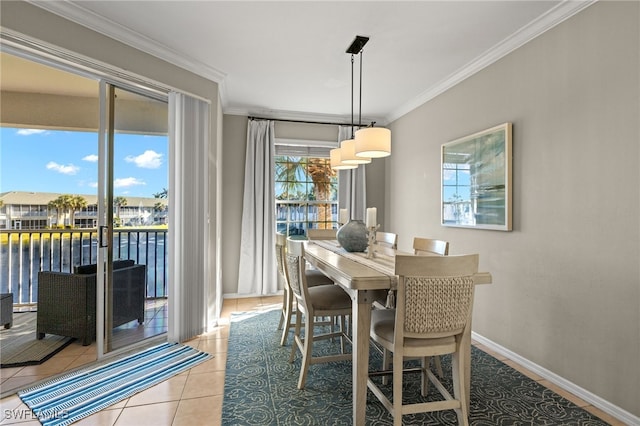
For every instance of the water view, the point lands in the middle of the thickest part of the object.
(24, 253)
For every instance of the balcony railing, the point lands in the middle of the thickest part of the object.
(25, 252)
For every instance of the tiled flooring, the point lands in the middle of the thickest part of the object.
(194, 397)
(76, 355)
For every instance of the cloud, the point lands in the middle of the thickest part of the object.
(69, 169)
(28, 132)
(147, 160)
(93, 184)
(92, 158)
(127, 182)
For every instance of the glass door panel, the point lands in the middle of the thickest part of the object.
(136, 178)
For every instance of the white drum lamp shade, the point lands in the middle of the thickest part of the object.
(336, 161)
(348, 153)
(373, 142)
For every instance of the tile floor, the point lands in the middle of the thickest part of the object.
(76, 355)
(194, 397)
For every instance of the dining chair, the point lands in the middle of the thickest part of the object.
(314, 278)
(431, 247)
(434, 306)
(424, 247)
(428, 246)
(321, 234)
(319, 301)
(387, 239)
(385, 243)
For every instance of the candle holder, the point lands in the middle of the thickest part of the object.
(372, 240)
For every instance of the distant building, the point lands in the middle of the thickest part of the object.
(29, 210)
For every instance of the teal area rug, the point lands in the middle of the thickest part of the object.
(260, 387)
(76, 395)
(19, 346)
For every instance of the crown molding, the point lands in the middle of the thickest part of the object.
(545, 22)
(84, 17)
(78, 14)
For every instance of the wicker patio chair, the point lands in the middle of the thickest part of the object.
(67, 302)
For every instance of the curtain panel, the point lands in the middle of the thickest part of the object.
(257, 270)
(189, 274)
(352, 184)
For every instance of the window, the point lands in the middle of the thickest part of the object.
(306, 191)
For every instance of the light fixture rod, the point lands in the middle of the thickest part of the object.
(360, 94)
(352, 125)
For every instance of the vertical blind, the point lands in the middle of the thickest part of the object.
(189, 216)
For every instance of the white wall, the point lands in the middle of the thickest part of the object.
(566, 281)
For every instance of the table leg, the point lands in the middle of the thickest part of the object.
(361, 324)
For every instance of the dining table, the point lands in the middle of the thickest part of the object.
(367, 279)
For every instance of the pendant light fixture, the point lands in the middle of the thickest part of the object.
(370, 142)
(348, 146)
(344, 157)
(365, 143)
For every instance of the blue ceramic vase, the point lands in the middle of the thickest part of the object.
(352, 236)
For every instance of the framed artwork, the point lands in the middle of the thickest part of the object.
(476, 180)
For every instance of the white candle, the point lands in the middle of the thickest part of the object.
(371, 217)
(344, 216)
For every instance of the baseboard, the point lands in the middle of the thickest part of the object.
(246, 296)
(576, 390)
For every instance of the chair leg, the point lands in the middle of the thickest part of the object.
(288, 307)
(307, 350)
(424, 376)
(283, 311)
(386, 362)
(397, 389)
(296, 337)
(438, 365)
(343, 330)
(457, 366)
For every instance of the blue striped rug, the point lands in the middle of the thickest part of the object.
(71, 397)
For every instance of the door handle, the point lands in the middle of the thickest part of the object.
(104, 236)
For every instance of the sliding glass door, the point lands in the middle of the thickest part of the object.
(132, 218)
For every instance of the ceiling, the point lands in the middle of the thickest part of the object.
(287, 59)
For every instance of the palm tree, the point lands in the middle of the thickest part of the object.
(62, 206)
(77, 202)
(162, 194)
(57, 206)
(288, 173)
(321, 174)
(119, 202)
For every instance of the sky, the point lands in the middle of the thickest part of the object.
(66, 162)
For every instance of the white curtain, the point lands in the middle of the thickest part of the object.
(352, 184)
(189, 263)
(257, 272)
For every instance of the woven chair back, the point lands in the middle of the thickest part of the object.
(437, 304)
(435, 293)
(281, 241)
(293, 273)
